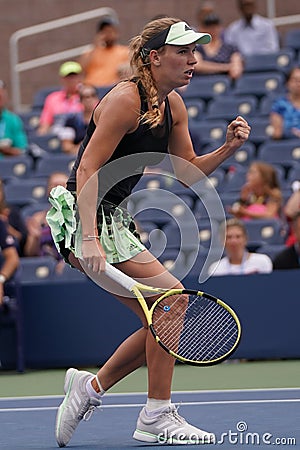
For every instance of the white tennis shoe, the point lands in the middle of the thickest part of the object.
(77, 405)
(170, 428)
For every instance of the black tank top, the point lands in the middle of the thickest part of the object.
(143, 147)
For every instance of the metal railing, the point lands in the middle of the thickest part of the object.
(17, 67)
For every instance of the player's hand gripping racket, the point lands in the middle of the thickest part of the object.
(194, 327)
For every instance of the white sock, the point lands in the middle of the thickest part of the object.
(154, 407)
(91, 391)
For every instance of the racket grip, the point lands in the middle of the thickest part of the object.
(119, 277)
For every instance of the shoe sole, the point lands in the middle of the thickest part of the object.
(67, 388)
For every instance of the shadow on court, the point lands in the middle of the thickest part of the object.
(242, 418)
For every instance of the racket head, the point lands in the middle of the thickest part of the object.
(194, 327)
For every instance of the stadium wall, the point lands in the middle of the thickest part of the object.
(18, 14)
(78, 324)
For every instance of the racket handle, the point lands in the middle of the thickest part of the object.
(120, 277)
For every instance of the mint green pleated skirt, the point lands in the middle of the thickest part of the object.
(116, 228)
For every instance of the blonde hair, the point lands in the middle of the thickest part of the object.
(142, 68)
(269, 176)
(230, 223)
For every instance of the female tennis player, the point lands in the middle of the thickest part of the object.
(136, 123)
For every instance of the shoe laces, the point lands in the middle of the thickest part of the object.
(88, 408)
(172, 413)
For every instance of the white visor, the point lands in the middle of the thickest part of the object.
(181, 33)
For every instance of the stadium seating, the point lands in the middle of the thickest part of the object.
(37, 269)
(184, 236)
(195, 108)
(285, 152)
(261, 130)
(292, 39)
(210, 206)
(199, 264)
(207, 87)
(49, 142)
(48, 164)
(23, 192)
(271, 249)
(235, 178)
(242, 156)
(259, 84)
(209, 131)
(30, 209)
(40, 97)
(265, 231)
(293, 174)
(16, 167)
(227, 108)
(31, 120)
(163, 208)
(174, 261)
(281, 61)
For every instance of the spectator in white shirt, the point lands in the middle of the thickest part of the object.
(252, 34)
(238, 260)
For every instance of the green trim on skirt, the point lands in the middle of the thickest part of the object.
(116, 228)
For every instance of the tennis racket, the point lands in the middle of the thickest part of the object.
(194, 327)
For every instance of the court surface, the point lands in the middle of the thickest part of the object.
(246, 418)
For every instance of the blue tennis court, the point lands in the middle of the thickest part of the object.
(253, 418)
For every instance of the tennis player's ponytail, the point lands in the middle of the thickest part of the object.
(141, 66)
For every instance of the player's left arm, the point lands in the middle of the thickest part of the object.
(180, 144)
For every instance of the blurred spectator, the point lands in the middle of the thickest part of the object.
(15, 224)
(65, 100)
(252, 33)
(74, 128)
(285, 111)
(108, 61)
(206, 7)
(289, 258)
(260, 197)
(9, 263)
(217, 57)
(40, 242)
(291, 208)
(238, 261)
(13, 139)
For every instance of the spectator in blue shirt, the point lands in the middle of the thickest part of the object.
(13, 139)
(252, 33)
(285, 111)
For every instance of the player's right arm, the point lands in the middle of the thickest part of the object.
(116, 115)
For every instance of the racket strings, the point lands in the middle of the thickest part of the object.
(211, 336)
(202, 324)
(198, 329)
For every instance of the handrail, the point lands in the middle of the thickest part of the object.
(17, 67)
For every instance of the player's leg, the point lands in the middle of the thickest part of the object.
(82, 388)
(146, 269)
(159, 420)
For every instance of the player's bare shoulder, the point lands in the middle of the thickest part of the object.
(121, 103)
(124, 95)
(177, 106)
